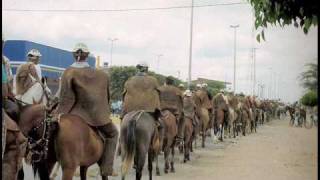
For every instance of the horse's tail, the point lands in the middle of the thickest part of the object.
(130, 145)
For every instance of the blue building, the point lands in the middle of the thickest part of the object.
(53, 61)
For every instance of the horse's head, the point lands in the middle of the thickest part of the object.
(221, 101)
(46, 88)
(30, 117)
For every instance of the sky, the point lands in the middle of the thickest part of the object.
(142, 35)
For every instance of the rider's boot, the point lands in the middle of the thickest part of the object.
(111, 134)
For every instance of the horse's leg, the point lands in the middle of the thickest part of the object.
(186, 149)
(172, 158)
(21, 174)
(150, 159)
(157, 164)
(83, 172)
(140, 160)
(222, 131)
(68, 172)
(203, 137)
(166, 157)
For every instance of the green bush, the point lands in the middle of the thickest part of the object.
(309, 99)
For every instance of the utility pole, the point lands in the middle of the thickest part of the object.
(270, 85)
(190, 48)
(234, 62)
(114, 39)
(254, 70)
(262, 92)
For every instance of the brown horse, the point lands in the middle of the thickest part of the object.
(14, 150)
(139, 136)
(189, 134)
(70, 141)
(170, 133)
(220, 104)
(203, 115)
(291, 113)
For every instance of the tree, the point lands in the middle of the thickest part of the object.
(285, 12)
(309, 78)
(309, 99)
(118, 76)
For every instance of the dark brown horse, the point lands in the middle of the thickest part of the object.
(70, 141)
(170, 133)
(14, 150)
(291, 113)
(139, 136)
(220, 104)
(189, 134)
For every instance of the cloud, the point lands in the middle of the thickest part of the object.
(143, 34)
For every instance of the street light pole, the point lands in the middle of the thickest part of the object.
(234, 63)
(111, 48)
(190, 47)
(254, 70)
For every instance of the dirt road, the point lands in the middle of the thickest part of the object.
(276, 152)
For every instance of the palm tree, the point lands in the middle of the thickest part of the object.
(309, 78)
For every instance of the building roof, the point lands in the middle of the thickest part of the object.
(204, 80)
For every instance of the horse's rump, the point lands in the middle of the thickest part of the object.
(170, 123)
(204, 117)
(76, 137)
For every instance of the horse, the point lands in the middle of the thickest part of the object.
(244, 118)
(68, 140)
(203, 115)
(189, 135)
(170, 133)
(221, 108)
(291, 113)
(139, 136)
(37, 93)
(14, 150)
(300, 117)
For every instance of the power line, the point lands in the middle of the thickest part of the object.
(121, 10)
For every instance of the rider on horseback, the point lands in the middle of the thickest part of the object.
(141, 92)
(189, 107)
(171, 98)
(85, 92)
(28, 73)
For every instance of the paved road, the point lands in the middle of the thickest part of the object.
(276, 152)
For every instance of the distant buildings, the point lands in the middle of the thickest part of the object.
(53, 61)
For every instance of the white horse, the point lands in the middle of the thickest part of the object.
(37, 93)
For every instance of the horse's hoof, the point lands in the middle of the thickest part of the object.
(166, 171)
(185, 160)
(158, 173)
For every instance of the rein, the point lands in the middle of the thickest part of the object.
(22, 102)
(39, 148)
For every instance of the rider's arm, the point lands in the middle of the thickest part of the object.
(33, 72)
(67, 96)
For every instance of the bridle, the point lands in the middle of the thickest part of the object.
(39, 148)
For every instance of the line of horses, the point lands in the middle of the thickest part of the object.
(69, 142)
(228, 117)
